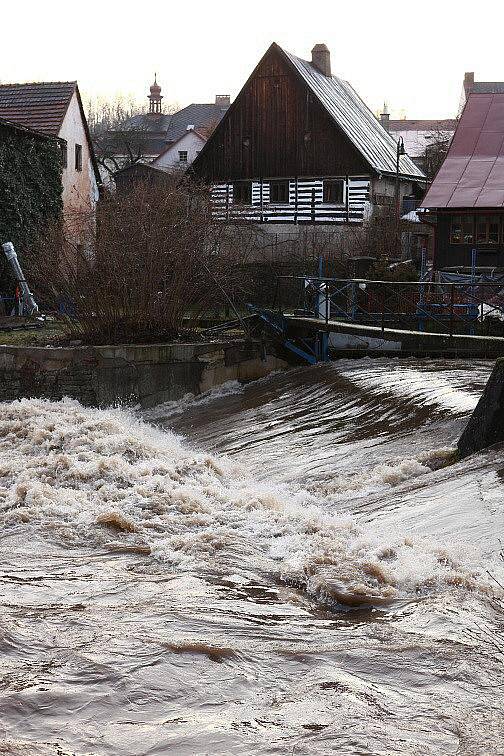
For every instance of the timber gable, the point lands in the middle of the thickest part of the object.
(297, 146)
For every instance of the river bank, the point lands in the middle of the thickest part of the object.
(283, 566)
(143, 374)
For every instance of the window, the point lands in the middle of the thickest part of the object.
(487, 229)
(242, 193)
(78, 157)
(182, 156)
(279, 192)
(64, 154)
(493, 229)
(334, 192)
(475, 229)
(462, 229)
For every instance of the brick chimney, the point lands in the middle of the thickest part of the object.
(385, 117)
(223, 101)
(468, 82)
(321, 59)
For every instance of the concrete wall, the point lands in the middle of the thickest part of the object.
(143, 374)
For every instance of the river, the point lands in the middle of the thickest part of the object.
(292, 567)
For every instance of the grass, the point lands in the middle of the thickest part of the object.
(50, 334)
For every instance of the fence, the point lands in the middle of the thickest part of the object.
(469, 307)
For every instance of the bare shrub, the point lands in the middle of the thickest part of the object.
(153, 261)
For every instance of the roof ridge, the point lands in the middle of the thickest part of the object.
(354, 117)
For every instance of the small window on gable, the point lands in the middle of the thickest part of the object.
(182, 156)
(78, 157)
(64, 154)
(334, 191)
(242, 193)
(279, 192)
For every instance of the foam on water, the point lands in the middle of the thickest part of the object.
(383, 476)
(104, 478)
(190, 401)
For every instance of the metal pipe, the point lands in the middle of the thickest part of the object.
(28, 304)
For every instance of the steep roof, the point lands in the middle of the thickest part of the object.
(355, 119)
(40, 106)
(29, 132)
(472, 174)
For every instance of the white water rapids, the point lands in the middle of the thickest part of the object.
(293, 566)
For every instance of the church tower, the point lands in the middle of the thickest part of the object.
(155, 97)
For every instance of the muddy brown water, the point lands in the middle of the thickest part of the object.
(287, 567)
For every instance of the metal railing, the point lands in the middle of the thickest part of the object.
(468, 307)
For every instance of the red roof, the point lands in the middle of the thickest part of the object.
(472, 174)
(40, 106)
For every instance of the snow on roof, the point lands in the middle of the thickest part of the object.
(412, 217)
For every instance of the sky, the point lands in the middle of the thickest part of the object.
(411, 55)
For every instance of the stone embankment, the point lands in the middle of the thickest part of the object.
(130, 374)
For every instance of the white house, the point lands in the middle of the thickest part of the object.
(55, 108)
(182, 152)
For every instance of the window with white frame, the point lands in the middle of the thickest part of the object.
(182, 156)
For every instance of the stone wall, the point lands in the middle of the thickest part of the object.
(143, 374)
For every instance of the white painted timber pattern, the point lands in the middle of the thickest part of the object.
(304, 206)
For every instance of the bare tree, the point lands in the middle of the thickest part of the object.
(435, 152)
(154, 263)
(120, 136)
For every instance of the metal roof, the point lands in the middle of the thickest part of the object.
(40, 106)
(355, 119)
(472, 174)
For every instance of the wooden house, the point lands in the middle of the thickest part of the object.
(299, 146)
(466, 198)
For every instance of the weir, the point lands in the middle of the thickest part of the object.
(314, 318)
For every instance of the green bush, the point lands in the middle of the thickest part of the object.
(30, 187)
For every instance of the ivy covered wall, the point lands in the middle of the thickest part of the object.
(30, 185)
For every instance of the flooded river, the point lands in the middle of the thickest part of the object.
(288, 567)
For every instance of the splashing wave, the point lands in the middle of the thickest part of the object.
(104, 478)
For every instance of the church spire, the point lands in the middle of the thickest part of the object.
(155, 97)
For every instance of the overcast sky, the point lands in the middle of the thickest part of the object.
(411, 54)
